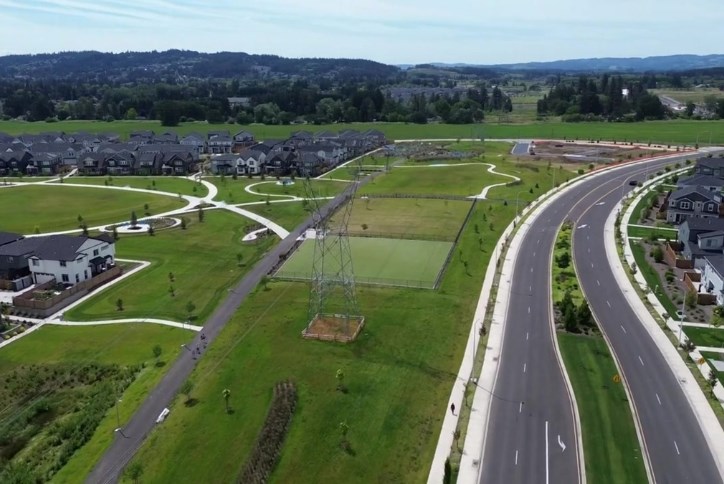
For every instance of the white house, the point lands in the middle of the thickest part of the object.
(712, 277)
(251, 161)
(71, 259)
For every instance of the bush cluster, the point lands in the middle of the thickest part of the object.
(268, 445)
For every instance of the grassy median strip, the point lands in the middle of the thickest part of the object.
(610, 444)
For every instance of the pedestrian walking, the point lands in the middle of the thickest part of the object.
(452, 408)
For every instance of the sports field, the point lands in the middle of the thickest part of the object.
(392, 262)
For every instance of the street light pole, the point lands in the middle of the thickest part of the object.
(517, 195)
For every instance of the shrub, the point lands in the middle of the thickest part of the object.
(268, 444)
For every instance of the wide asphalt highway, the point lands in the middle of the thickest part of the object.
(532, 433)
(129, 439)
(677, 449)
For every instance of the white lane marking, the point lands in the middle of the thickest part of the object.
(598, 282)
(547, 463)
(516, 457)
(588, 237)
(591, 265)
(531, 269)
(526, 336)
(530, 288)
(609, 304)
(642, 361)
(528, 309)
(589, 250)
(600, 203)
(524, 367)
(677, 448)
(520, 408)
(582, 226)
(538, 242)
(560, 442)
(657, 398)
(624, 329)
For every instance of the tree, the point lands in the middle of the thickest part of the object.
(265, 282)
(447, 476)
(340, 380)
(226, 393)
(134, 472)
(584, 316)
(131, 114)
(186, 389)
(171, 277)
(115, 233)
(239, 258)
(84, 229)
(157, 352)
(134, 219)
(691, 299)
(344, 428)
(201, 214)
(712, 380)
(563, 260)
(119, 304)
(184, 223)
(151, 230)
(570, 321)
(190, 308)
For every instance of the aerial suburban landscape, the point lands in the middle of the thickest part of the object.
(327, 247)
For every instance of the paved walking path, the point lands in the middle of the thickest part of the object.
(164, 322)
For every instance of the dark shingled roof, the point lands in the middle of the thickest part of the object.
(710, 224)
(21, 247)
(7, 237)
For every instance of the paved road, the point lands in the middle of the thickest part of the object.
(522, 443)
(123, 448)
(520, 149)
(677, 448)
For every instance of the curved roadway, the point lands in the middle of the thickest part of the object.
(532, 434)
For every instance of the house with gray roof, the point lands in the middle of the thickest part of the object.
(225, 164)
(701, 237)
(712, 277)
(708, 182)
(70, 259)
(692, 202)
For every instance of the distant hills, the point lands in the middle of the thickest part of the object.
(682, 62)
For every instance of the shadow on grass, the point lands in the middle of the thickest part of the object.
(191, 402)
(160, 364)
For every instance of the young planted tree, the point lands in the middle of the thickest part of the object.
(184, 223)
(115, 233)
(239, 258)
(712, 381)
(157, 352)
(201, 214)
(190, 308)
(134, 219)
(119, 304)
(658, 254)
(171, 277)
(340, 380)
(226, 393)
(134, 472)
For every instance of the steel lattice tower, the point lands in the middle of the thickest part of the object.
(332, 291)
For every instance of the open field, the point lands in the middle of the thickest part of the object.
(71, 354)
(321, 188)
(287, 214)
(399, 373)
(203, 260)
(55, 208)
(705, 336)
(407, 217)
(685, 95)
(161, 183)
(610, 443)
(677, 131)
(234, 191)
(378, 261)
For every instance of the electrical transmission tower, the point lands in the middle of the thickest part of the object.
(332, 296)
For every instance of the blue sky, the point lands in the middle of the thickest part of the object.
(391, 31)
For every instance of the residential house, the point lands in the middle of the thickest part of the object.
(93, 164)
(219, 142)
(712, 277)
(692, 201)
(225, 164)
(178, 164)
(166, 150)
(239, 102)
(309, 164)
(115, 147)
(44, 164)
(708, 182)
(149, 163)
(70, 259)
(14, 254)
(279, 162)
(167, 138)
(195, 142)
(14, 163)
(251, 162)
(710, 166)
(121, 163)
(68, 152)
(242, 140)
(696, 243)
(6, 138)
(141, 137)
(267, 145)
(87, 140)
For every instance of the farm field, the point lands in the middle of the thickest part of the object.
(675, 131)
(399, 373)
(398, 262)
(74, 393)
(407, 218)
(202, 259)
(161, 183)
(32, 210)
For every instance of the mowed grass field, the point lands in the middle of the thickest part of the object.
(399, 373)
(202, 259)
(416, 263)
(611, 447)
(55, 208)
(234, 191)
(160, 183)
(286, 214)
(675, 131)
(407, 217)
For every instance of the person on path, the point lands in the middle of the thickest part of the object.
(452, 408)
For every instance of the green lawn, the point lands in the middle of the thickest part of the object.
(408, 217)
(399, 374)
(647, 232)
(161, 183)
(610, 444)
(652, 278)
(54, 208)
(203, 260)
(72, 349)
(378, 261)
(288, 214)
(642, 205)
(676, 131)
(321, 188)
(705, 336)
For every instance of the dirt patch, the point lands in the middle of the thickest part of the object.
(589, 153)
(334, 327)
